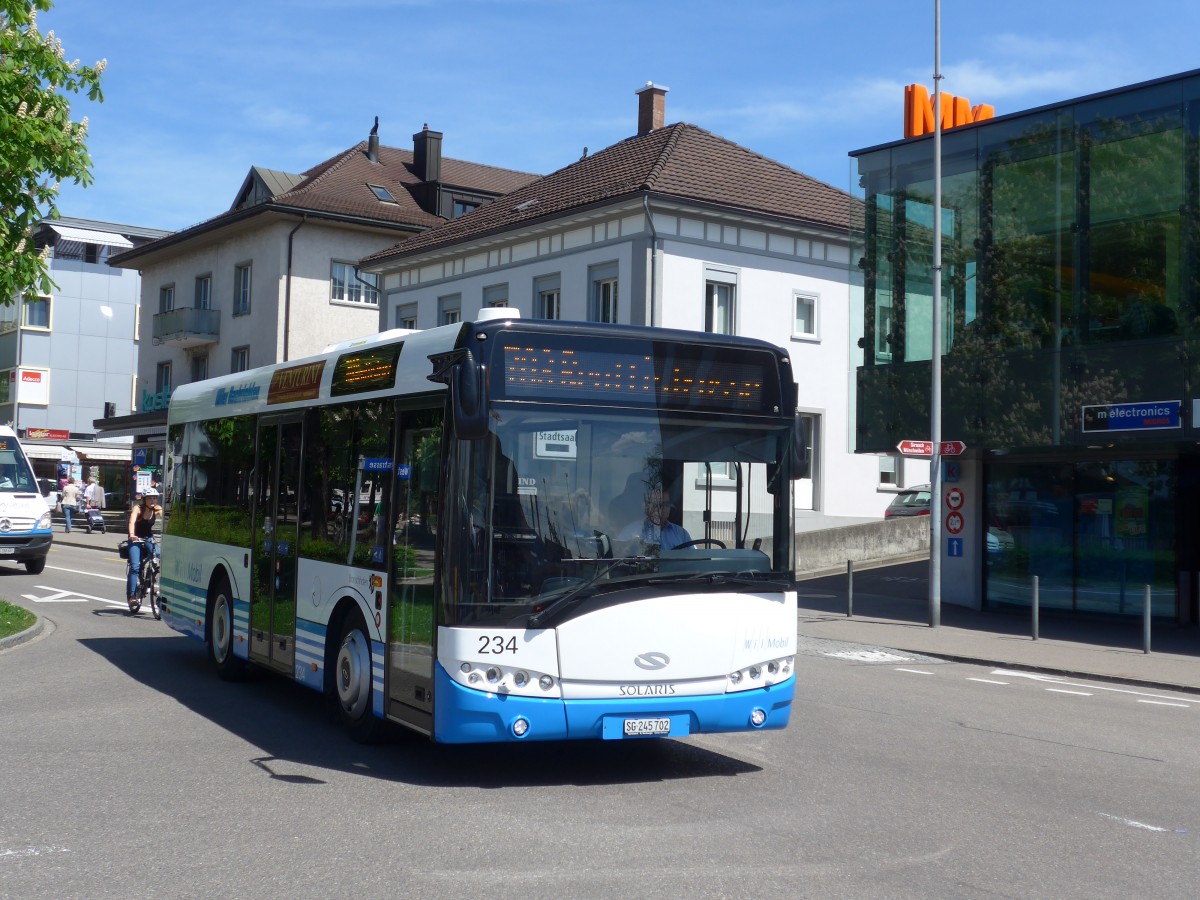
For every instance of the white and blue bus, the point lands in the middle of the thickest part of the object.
(502, 530)
(25, 534)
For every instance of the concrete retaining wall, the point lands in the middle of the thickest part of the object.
(885, 539)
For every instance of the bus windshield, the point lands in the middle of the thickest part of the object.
(580, 505)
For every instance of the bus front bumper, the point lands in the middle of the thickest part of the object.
(465, 716)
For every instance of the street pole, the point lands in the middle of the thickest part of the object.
(935, 399)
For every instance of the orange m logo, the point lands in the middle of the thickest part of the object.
(918, 111)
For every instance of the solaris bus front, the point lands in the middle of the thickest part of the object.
(616, 549)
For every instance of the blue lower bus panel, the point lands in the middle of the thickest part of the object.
(464, 716)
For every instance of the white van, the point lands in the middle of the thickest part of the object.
(25, 533)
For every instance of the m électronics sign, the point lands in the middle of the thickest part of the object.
(1154, 415)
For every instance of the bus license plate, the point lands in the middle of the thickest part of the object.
(644, 727)
(7, 551)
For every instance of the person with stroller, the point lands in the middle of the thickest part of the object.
(70, 500)
(142, 519)
(93, 503)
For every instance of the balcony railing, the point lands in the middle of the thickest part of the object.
(187, 327)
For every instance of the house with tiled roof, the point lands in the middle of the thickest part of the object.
(276, 276)
(674, 227)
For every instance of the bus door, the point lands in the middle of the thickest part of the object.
(276, 534)
(411, 608)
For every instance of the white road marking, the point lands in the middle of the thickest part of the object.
(1164, 703)
(31, 851)
(88, 574)
(1076, 693)
(1133, 823)
(1054, 679)
(58, 595)
(868, 656)
(987, 681)
(914, 671)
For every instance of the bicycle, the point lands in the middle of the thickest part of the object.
(147, 580)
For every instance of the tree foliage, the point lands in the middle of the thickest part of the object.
(40, 145)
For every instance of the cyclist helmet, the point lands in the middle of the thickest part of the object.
(150, 492)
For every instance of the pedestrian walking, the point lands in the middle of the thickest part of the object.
(70, 500)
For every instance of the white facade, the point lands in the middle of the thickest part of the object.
(665, 269)
(284, 321)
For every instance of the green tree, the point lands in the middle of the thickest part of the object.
(40, 145)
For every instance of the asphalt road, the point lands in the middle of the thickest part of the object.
(128, 769)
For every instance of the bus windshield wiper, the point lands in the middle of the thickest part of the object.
(722, 578)
(575, 594)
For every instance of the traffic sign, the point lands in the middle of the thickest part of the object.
(953, 448)
(954, 498)
(915, 448)
(954, 522)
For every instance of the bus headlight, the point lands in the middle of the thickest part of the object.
(520, 726)
(44, 520)
(760, 675)
(757, 717)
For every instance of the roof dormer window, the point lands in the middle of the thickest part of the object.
(382, 193)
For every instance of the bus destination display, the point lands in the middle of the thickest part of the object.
(366, 370)
(701, 379)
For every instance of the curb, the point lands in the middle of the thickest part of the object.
(21, 637)
(1041, 670)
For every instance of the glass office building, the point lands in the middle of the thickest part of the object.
(1071, 338)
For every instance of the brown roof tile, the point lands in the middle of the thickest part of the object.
(680, 160)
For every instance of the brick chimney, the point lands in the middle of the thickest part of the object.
(652, 107)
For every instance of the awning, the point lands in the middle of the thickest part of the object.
(87, 236)
(45, 451)
(104, 454)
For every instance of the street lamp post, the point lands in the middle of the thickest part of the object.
(935, 402)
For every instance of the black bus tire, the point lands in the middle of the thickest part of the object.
(220, 632)
(352, 681)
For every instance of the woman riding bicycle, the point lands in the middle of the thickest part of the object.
(142, 519)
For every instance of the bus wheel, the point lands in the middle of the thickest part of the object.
(352, 681)
(220, 633)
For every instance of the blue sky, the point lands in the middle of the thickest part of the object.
(196, 93)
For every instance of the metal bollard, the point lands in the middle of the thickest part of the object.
(1034, 604)
(1146, 621)
(849, 589)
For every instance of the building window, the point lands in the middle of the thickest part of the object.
(200, 367)
(203, 292)
(162, 378)
(547, 296)
(406, 316)
(496, 295)
(889, 475)
(603, 292)
(381, 193)
(805, 305)
(239, 359)
(450, 309)
(348, 285)
(92, 253)
(720, 297)
(37, 312)
(462, 207)
(166, 298)
(241, 289)
(883, 332)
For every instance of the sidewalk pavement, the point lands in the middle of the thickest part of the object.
(899, 619)
(1070, 645)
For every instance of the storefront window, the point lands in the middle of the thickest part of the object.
(1094, 533)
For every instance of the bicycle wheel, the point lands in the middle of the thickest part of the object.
(152, 590)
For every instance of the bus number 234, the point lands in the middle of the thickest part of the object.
(495, 643)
